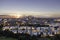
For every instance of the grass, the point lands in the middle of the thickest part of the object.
(4, 38)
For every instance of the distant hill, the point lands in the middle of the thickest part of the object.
(7, 16)
(12, 16)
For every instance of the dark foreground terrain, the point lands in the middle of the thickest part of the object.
(8, 35)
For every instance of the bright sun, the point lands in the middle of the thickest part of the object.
(17, 15)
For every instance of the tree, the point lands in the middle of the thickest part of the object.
(1, 26)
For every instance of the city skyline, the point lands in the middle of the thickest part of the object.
(45, 8)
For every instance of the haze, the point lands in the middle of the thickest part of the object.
(45, 8)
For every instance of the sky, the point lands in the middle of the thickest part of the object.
(44, 8)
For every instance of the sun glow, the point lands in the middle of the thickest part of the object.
(16, 15)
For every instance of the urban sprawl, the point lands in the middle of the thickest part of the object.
(32, 25)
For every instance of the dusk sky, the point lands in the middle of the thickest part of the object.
(30, 7)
